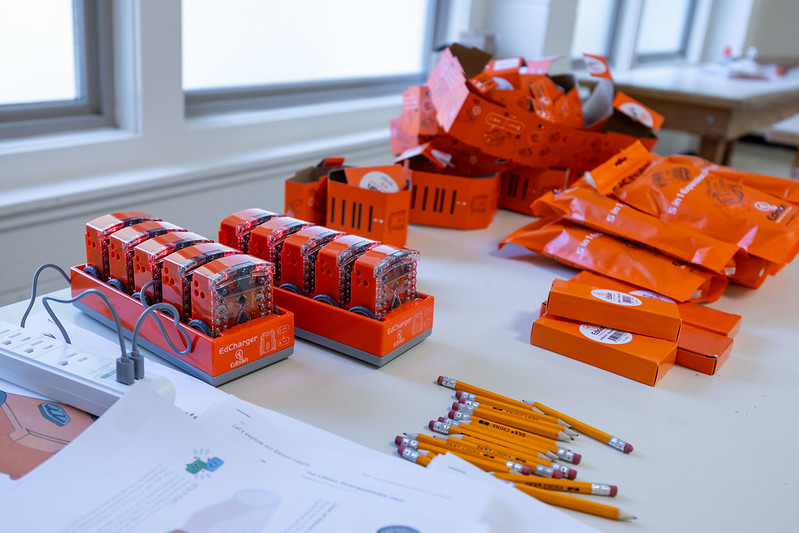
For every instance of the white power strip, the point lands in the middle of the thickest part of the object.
(58, 370)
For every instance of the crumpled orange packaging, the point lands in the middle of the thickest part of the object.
(592, 250)
(588, 207)
(691, 191)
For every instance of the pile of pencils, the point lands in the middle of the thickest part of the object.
(517, 442)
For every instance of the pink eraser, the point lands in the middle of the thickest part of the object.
(458, 394)
(456, 405)
(440, 380)
(526, 470)
(557, 474)
(576, 458)
(432, 424)
(571, 474)
(613, 490)
(451, 414)
(628, 447)
(398, 439)
(401, 449)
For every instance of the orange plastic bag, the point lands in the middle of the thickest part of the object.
(583, 248)
(594, 210)
(690, 191)
(589, 208)
(784, 188)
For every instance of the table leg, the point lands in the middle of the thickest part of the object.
(716, 150)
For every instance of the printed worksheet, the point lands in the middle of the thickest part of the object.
(147, 466)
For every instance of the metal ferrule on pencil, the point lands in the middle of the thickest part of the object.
(601, 489)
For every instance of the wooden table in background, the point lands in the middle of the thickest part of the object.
(719, 109)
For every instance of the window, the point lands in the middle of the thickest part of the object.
(630, 32)
(51, 55)
(245, 54)
(594, 28)
(664, 31)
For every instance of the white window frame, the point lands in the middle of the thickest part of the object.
(621, 52)
(213, 101)
(94, 72)
(149, 128)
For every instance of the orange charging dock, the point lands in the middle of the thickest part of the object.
(374, 341)
(233, 353)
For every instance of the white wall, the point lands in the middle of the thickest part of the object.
(773, 28)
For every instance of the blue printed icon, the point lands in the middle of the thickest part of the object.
(213, 463)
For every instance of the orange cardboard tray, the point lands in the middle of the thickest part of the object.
(374, 341)
(453, 201)
(235, 352)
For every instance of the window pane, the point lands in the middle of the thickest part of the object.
(663, 26)
(243, 43)
(592, 28)
(37, 51)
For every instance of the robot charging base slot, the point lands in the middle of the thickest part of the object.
(210, 359)
(358, 334)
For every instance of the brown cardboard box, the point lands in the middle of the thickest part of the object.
(614, 309)
(644, 359)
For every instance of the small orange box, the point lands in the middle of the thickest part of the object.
(371, 213)
(521, 186)
(701, 316)
(713, 320)
(453, 201)
(614, 309)
(306, 191)
(638, 357)
(702, 350)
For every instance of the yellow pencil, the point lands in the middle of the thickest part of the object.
(543, 428)
(582, 427)
(447, 428)
(482, 460)
(540, 466)
(562, 485)
(610, 440)
(576, 504)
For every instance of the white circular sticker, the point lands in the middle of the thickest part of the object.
(595, 66)
(605, 335)
(441, 157)
(378, 181)
(616, 297)
(650, 294)
(638, 112)
(503, 84)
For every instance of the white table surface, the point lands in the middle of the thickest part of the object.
(712, 453)
(710, 81)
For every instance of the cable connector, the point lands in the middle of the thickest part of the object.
(125, 370)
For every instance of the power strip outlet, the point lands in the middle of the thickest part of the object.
(58, 370)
